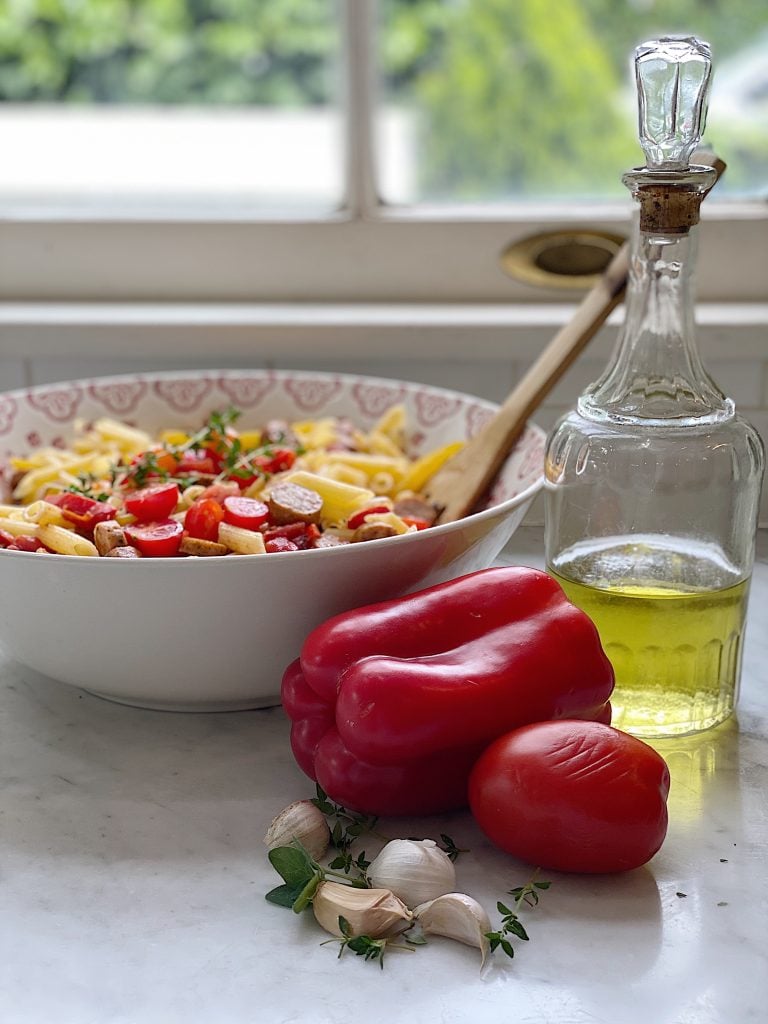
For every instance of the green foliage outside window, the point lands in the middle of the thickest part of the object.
(510, 96)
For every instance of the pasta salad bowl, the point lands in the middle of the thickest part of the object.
(216, 633)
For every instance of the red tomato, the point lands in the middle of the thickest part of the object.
(203, 518)
(278, 544)
(82, 512)
(282, 459)
(6, 539)
(196, 462)
(358, 518)
(277, 461)
(572, 796)
(156, 540)
(420, 524)
(25, 543)
(290, 530)
(166, 461)
(153, 503)
(245, 512)
(220, 491)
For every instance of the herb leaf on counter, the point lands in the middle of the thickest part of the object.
(511, 925)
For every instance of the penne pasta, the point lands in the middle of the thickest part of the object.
(65, 542)
(19, 527)
(243, 542)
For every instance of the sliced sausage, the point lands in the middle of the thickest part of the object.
(124, 552)
(291, 503)
(329, 540)
(107, 536)
(195, 546)
(416, 508)
(373, 531)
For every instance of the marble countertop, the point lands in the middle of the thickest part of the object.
(133, 875)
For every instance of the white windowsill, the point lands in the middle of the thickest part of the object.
(396, 330)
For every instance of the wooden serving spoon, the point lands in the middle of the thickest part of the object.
(457, 487)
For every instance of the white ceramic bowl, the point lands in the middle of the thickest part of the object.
(216, 633)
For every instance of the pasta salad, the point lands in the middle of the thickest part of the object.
(118, 492)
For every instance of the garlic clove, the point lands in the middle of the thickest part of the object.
(456, 916)
(416, 870)
(375, 912)
(303, 821)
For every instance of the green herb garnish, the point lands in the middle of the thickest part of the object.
(511, 925)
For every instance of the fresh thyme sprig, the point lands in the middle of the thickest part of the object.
(368, 948)
(511, 925)
(346, 828)
(449, 846)
(528, 893)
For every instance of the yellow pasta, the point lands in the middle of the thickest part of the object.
(43, 512)
(19, 527)
(346, 474)
(127, 438)
(392, 424)
(65, 542)
(243, 542)
(380, 444)
(427, 465)
(315, 433)
(390, 519)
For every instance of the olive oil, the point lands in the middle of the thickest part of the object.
(676, 652)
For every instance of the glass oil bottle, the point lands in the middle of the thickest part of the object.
(653, 481)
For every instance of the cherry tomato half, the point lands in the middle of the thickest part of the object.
(156, 540)
(153, 503)
(358, 518)
(25, 543)
(417, 521)
(572, 796)
(165, 461)
(302, 535)
(203, 518)
(82, 512)
(221, 491)
(245, 512)
(196, 462)
(278, 544)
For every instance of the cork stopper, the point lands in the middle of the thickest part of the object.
(669, 208)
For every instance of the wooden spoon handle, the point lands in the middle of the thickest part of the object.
(461, 482)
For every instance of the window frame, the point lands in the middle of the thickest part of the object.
(364, 251)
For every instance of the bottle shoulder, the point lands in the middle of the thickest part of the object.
(578, 442)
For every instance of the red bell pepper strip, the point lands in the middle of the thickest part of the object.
(403, 687)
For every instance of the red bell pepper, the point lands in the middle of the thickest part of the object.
(391, 704)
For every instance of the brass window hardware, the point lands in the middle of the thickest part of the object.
(572, 259)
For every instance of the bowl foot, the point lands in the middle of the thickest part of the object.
(198, 708)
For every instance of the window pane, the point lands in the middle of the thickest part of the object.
(494, 100)
(170, 102)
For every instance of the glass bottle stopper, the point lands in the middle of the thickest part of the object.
(673, 76)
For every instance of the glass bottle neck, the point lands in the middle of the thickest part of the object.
(656, 374)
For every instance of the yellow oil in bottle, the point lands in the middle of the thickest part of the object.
(676, 652)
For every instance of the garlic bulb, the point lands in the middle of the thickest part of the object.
(415, 870)
(375, 912)
(456, 916)
(303, 821)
